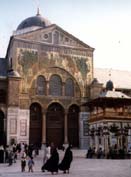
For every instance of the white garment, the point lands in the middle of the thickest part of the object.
(47, 154)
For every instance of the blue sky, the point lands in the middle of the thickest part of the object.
(103, 24)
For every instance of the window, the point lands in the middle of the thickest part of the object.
(2, 96)
(55, 86)
(41, 85)
(46, 36)
(69, 88)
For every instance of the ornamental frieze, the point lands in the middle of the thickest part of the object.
(66, 51)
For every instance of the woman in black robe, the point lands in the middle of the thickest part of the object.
(66, 162)
(52, 163)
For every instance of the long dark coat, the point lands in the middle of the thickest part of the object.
(52, 163)
(66, 162)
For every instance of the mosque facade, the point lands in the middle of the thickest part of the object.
(44, 80)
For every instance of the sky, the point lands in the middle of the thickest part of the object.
(102, 24)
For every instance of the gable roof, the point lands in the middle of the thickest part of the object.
(53, 27)
(113, 94)
(75, 38)
(109, 99)
(120, 78)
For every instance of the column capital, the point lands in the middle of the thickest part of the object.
(44, 111)
(66, 111)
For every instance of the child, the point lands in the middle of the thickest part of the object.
(30, 164)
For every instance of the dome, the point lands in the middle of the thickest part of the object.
(109, 85)
(95, 81)
(37, 20)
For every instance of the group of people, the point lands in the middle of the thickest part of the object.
(114, 152)
(30, 164)
(9, 153)
(27, 153)
(93, 153)
(51, 160)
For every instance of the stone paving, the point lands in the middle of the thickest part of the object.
(80, 167)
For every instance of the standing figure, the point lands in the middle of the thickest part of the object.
(66, 162)
(23, 164)
(10, 157)
(30, 164)
(47, 155)
(52, 163)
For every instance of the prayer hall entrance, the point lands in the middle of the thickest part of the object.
(73, 125)
(35, 133)
(55, 124)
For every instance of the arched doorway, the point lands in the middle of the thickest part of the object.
(35, 133)
(73, 125)
(55, 124)
(2, 132)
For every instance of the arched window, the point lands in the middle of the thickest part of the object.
(69, 88)
(41, 85)
(2, 96)
(55, 86)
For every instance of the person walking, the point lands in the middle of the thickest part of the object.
(23, 164)
(47, 155)
(66, 162)
(52, 163)
(30, 164)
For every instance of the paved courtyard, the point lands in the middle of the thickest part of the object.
(80, 167)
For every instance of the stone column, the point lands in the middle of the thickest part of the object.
(96, 141)
(65, 128)
(106, 146)
(106, 138)
(44, 127)
(47, 88)
(102, 140)
(63, 89)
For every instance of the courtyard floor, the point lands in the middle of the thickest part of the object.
(80, 167)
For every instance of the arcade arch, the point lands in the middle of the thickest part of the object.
(73, 125)
(55, 124)
(35, 131)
